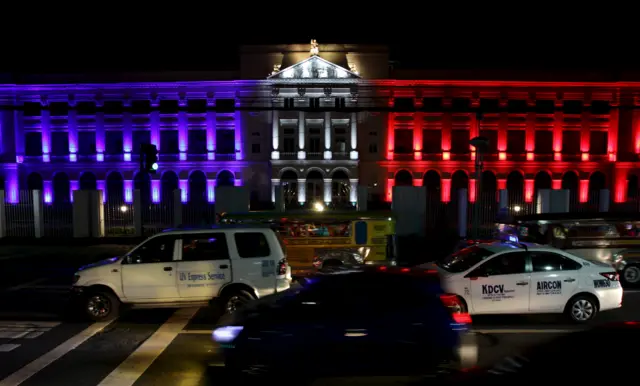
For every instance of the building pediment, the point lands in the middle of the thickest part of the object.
(314, 68)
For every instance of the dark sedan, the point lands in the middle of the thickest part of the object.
(362, 321)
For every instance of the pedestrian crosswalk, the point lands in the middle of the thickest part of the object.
(14, 332)
(142, 347)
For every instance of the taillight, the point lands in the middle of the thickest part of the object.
(456, 307)
(613, 276)
(282, 267)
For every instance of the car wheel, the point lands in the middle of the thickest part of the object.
(581, 309)
(236, 300)
(101, 306)
(631, 275)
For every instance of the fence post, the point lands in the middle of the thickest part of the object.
(543, 201)
(363, 197)
(97, 213)
(137, 213)
(81, 209)
(3, 216)
(604, 201)
(279, 198)
(463, 218)
(38, 213)
(177, 208)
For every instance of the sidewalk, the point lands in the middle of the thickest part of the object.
(66, 253)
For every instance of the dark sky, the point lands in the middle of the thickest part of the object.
(123, 40)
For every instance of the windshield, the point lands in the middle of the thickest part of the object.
(464, 259)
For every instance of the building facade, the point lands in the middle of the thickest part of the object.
(319, 121)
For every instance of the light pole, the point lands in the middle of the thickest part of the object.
(480, 144)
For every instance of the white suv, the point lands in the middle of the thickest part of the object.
(184, 268)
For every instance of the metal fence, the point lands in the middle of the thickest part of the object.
(120, 216)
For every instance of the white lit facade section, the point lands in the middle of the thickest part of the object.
(327, 191)
(353, 190)
(302, 191)
(353, 154)
(327, 135)
(301, 135)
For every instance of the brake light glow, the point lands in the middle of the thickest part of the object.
(382, 268)
(462, 318)
(613, 276)
(282, 267)
(456, 307)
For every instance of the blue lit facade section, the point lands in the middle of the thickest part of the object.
(100, 141)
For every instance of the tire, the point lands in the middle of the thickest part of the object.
(234, 300)
(101, 306)
(581, 309)
(631, 275)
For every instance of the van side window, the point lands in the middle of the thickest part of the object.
(204, 247)
(252, 244)
(157, 250)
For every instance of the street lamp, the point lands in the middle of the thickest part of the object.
(481, 145)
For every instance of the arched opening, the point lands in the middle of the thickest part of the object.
(431, 181)
(198, 187)
(289, 182)
(541, 182)
(168, 184)
(34, 182)
(225, 178)
(570, 183)
(340, 188)
(489, 182)
(314, 187)
(142, 182)
(403, 178)
(632, 187)
(88, 181)
(515, 183)
(61, 190)
(597, 182)
(459, 180)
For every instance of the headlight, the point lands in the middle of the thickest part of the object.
(617, 258)
(226, 334)
(76, 278)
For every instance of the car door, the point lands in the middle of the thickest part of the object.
(149, 271)
(554, 280)
(501, 284)
(254, 259)
(204, 266)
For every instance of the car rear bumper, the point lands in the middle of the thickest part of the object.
(610, 298)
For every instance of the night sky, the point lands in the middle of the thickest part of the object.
(126, 41)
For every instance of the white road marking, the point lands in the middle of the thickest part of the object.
(28, 284)
(523, 331)
(197, 332)
(8, 347)
(13, 334)
(30, 324)
(45, 360)
(139, 361)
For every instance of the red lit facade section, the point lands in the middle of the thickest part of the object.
(541, 136)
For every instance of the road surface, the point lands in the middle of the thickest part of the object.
(40, 346)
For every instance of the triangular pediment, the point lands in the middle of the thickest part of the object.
(314, 68)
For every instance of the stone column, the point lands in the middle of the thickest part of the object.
(301, 135)
(72, 127)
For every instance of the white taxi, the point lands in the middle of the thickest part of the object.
(184, 268)
(516, 278)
